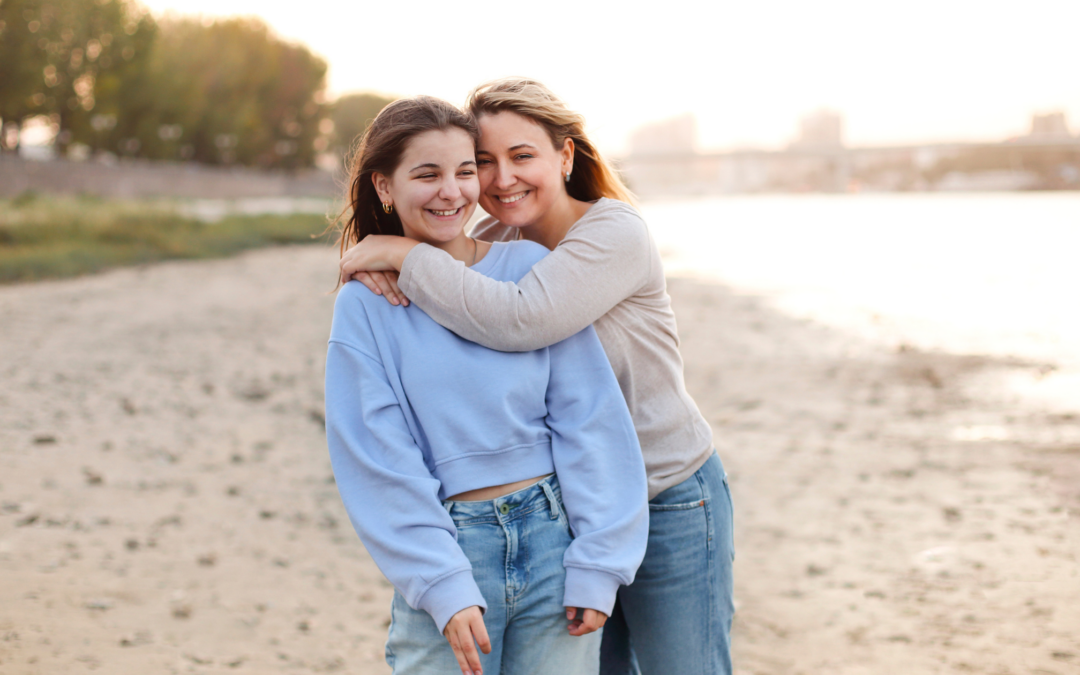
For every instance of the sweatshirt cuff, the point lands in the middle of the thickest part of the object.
(590, 589)
(450, 595)
(413, 259)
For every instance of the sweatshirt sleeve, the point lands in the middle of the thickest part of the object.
(391, 497)
(602, 261)
(601, 473)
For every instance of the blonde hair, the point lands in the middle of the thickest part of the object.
(592, 177)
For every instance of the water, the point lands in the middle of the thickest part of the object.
(993, 274)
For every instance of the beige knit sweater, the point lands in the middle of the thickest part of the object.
(606, 272)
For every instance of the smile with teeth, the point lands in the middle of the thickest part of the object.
(510, 199)
(445, 213)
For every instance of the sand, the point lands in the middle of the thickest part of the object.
(167, 504)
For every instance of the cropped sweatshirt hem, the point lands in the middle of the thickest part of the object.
(591, 588)
(449, 595)
(498, 467)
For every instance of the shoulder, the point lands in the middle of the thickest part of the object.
(351, 297)
(522, 255)
(615, 225)
(526, 250)
(351, 321)
(490, 229)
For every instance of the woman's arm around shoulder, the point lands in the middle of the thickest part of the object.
(604, 259)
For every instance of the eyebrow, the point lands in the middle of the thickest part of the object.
(432, 165)
(516, 147)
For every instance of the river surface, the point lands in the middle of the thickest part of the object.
(995, 274)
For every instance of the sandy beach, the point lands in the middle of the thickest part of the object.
(167, 503)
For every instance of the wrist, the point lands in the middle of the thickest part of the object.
(399, 248)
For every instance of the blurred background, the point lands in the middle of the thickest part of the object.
(869, 217)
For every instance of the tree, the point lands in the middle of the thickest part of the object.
(55, 52)
(113, 79)
(351, 114)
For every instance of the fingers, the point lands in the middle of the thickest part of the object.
(479, 632)
(384, 284)
(347, 271)
(464, 630)
(590, 622)
(391, 278)
(455, 643)
(365, 278)
(386, 287)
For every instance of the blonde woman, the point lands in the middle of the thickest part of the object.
(542, 180)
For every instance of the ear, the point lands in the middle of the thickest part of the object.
(567, 155)
(382, 186)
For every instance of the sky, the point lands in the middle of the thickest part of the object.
(917, 71)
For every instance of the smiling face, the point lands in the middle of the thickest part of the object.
(521, 173)
(434, 188)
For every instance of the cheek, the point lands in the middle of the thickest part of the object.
(470, 189)
(419, 194)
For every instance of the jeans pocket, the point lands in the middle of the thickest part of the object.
(679, 507)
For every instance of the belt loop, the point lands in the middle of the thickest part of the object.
(449, 506)
(552, 502)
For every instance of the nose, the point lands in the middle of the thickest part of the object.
(504, 176)
(449, 190)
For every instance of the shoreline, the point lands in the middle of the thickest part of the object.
(167, 503)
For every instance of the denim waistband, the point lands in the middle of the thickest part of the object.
(543, 494)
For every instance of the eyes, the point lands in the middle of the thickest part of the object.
(464, 173)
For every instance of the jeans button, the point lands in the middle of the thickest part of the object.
(504, 509)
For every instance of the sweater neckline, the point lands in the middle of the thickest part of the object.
(483, 266)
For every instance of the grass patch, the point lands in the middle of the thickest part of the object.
(50, 238)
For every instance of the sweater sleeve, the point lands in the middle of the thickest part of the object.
(391, 497)
(601, 472)
(603, 260)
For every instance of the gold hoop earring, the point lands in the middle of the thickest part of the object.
(389, 208)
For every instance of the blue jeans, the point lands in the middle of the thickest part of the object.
(516, 545)
(676, 616)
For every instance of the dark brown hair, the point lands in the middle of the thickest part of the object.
(380, 151)
(591, 177)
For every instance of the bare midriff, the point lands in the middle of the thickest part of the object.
(495, 491)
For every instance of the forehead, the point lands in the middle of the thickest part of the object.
(438, 146)
(506, 129)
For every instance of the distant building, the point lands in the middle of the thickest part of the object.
(676, 135)
(1049, 126)
(821, 129)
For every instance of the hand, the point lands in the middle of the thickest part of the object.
(375, 253)
(591, 621)
(464, 631)
(384, 284)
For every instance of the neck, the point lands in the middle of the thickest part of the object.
(552, 227)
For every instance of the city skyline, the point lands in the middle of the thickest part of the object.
(950, 71)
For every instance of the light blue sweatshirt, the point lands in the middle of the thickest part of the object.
(415, 414)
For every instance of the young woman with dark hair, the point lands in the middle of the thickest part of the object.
(494, 490)
(542, 180)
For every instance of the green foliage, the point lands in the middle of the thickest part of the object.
(55, 52)
(228, 92)
(351, 114)
(54, 238)
(113, 79)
